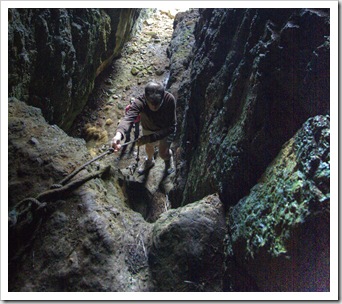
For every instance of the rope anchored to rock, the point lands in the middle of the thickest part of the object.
(31, 205)
(70, 176)
(27, 216)
(58, 191)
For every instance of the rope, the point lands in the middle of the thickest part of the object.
(55, 194)
(137, 158)
(57, 191)
(70, 176)
(28, 214)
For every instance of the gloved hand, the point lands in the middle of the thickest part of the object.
(143, 140)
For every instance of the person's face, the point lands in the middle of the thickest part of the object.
(153, 105)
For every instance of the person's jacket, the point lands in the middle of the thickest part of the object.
(162, 122)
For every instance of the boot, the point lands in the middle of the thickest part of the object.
(147, 165)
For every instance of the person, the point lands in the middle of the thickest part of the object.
(136, 124)
(157, 110)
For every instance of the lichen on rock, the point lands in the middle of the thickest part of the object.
(286, 217)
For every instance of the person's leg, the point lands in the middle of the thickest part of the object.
(166, 154)
(149, 151)
(149, 162)
(164, 149)
(136, 130)
(128, 134)
(136, 136)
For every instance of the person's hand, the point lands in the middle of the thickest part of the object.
(116, 142)
(143, 140)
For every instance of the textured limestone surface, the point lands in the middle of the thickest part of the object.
(187, 246)
(55, 55)
(256, 75)
(280, 232)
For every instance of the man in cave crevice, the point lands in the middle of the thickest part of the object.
(157, 109)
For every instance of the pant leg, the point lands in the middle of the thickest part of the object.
(136, 130)
(164, 149)
(128, 134)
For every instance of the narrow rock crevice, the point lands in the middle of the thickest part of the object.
(249, 201)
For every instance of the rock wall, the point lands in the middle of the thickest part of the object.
(180, 54)
(255, 77)
(279, 237)
(90, 239)
(187, 248)
(86, 240)
(56, 54)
